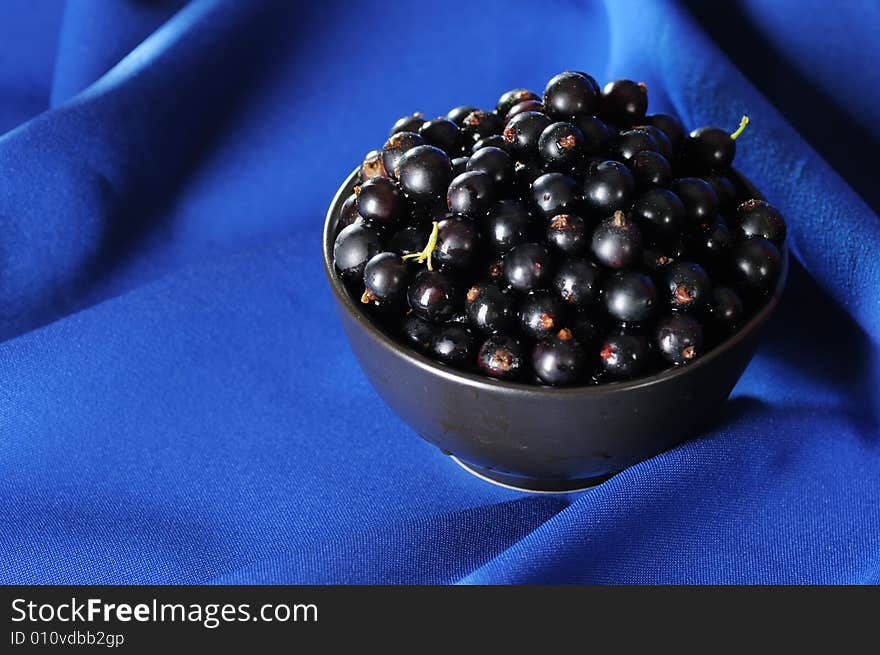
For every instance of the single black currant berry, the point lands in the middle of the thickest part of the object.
(569, 234)
(630, 142)
(456, 345)
(409, 239)
(444, 134)
(726, 309)
(711, 149)
(458, 114)
(630, 297)
(418, 333)
(494, 141)
(496, 163)
(700, 201)
(608, 187)
(555, 193)
(385, 278)
(709, 244)
(569, 94)
(457, 243)
(528, 266)
(410, 123)
(679, 339)
(577, 282)
(513, 97)
(560, 145)
(650, 169)
(617, 242)
(432, 296)
(353, 248)
(507, 225)
(395, 147)
(755, 265)
(688, 286)
(372, 166)
(660, 212)
(349, 213)
(488, 308)
(459, 165)
(664, 145)
(541, 314)
(724, 189)
(471, 194)
(624, 102)
(380, 202)
(522, 133)
(560, 360)
(670, 125)
(501, 357)
(522, 107)
(761, 219)
(425, 173)
(624, 355)
(480, 124)
(597, 135)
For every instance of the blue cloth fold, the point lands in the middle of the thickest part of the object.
(179, 404)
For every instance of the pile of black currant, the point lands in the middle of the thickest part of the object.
(560, 239)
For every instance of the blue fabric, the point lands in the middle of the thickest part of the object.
(177, 401)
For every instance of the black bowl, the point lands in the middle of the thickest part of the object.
(540, 438)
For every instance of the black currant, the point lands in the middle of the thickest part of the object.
(726, 309)
(506, 225)
(630, 142)
(471, 194)
(624, 355)
(385, 278)
(457, 242)
(555, 193)
(528, 266)
(541, 313)
(583, 329)
(710, 243)
(444, 134)
(508, 100)
(494, 141)
(380, 202)
(700, 201)
(670, 125)
(353, 248)
(569, 94)
(458, 114)
(724, 189)
(624, 102)
(418, 333)
(560, 360)
(425, 173)
(496, 163)
(488, 308)
(560, 145)
(432, 296)
(664, 145)
(577, 282)
(679, 339)
(755, 265)
(459, 165)
(525, 173)
(522, 133)
(455, 344)
(617, 242)
(349, 213)
(761, 219)
(711, 149)
(480, 124)
(395, 147)
(688, 286)
(410, 123)
(569, 234)
(608, 186)
(660, 211)
(409, 239)
(521, 108)
(502, 357)
(650, 169)
(372, 166)
(630, 297)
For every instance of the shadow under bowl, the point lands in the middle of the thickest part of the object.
(536, 438)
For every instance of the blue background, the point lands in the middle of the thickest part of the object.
(178, 404)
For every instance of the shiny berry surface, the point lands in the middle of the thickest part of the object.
(560, 360)
(425, 173)
(502, 357)
(630, 297)
(608, 187)
(432, 297)
(617, 242)
(679, 339)
(568, 234)
(528, 266)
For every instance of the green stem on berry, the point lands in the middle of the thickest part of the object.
(742, 126)
(427, 251)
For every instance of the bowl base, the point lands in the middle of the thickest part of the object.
(531, 485)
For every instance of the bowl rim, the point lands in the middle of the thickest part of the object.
(488, 384)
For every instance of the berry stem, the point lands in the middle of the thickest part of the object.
(427, 251)
(742, 126)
